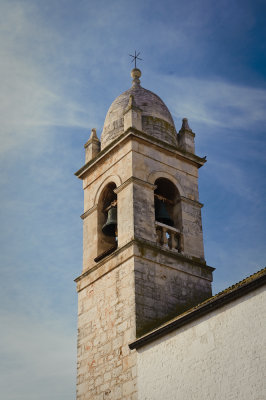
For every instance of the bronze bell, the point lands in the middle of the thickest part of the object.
(161, 213)
(110, 226)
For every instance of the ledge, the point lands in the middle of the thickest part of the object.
(133, 132)
(153, 246)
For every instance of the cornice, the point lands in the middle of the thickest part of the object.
(132, 132)
(153, 246)
(88, 212)
(190, 201)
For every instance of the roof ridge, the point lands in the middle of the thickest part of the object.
(243, 281)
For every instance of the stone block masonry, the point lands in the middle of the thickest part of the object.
(106, 325)
(132, 280)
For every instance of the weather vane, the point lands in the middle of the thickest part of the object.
(135, 58)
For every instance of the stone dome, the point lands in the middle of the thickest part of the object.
(156, 118)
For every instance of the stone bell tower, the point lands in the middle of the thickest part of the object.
(143, 258)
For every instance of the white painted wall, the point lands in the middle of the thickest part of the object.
(219, 356)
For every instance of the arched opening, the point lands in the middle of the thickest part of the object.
(168, 214)
(107, 221)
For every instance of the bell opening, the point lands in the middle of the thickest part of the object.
(107, 221)
(161, 213)
(167, 204)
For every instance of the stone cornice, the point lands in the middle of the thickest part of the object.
(190, 201)
(140, 243)
(144, 184)
(132, 132)
(88, 212)
(105, 262)
(93, 140)
(174, 254)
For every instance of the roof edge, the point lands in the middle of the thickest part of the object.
(232, 293)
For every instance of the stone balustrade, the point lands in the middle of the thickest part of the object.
(169, 237)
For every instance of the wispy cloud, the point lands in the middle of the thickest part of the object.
(31, 97)
(37, 85)
(61, 65)
(215, 103)
(232, 178)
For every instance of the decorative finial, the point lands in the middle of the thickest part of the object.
(135, 58)
(185, 125)
(93, 134)
(135, 74)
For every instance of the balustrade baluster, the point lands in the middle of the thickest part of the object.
(159, 235)
(169, 237)
(165, 238)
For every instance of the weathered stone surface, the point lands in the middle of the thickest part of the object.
(143, 281)
(106, 324)
(156, 118)
(92, 147)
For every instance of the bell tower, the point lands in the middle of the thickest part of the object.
(143, 257)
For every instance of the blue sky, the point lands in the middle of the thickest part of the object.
(62, 63)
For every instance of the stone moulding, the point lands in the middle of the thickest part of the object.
(134, 133)
(88, 212)
(190, 201)
(109, 179)
(136, 252)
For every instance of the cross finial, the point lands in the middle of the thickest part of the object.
(135, 58)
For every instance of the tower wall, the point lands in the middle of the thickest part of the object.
(155, 272)
(151, 162)
(166, 285)
(106, 324)
(115, 167)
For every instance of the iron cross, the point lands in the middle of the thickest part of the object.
(135, 58)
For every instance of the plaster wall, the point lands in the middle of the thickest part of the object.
(219, 356)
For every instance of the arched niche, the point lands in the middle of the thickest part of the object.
(110, 179)
(167, 199)
(107, 199)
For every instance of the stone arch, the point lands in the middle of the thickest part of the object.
(110, 179)
(106, 205)
(162, 174)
